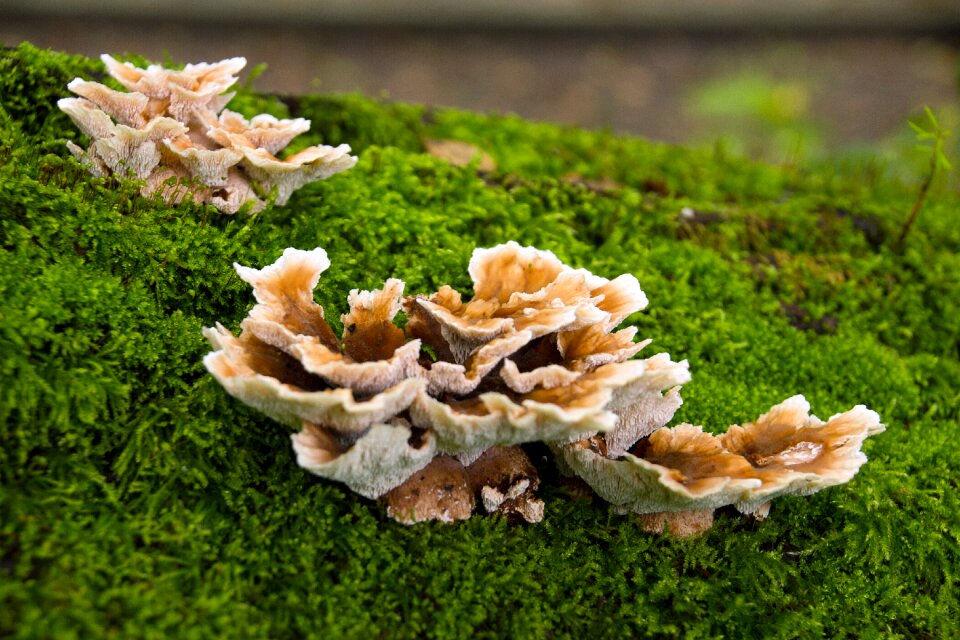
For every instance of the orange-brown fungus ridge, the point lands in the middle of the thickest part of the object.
(429, 417)
(172, 132)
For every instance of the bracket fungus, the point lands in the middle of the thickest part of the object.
(171, 131)
(679, 475)
(531, 357)
(429, 417)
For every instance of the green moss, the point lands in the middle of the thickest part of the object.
(138, 500)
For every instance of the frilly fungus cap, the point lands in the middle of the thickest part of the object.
(683, 470)
(530, 357)
(428, 417)
(167, 131)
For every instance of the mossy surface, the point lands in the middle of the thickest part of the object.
(139, 500)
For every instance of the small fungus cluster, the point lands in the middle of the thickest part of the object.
(429, 417)
(171, 131)
(679, 475)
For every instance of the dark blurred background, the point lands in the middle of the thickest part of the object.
(778, 80)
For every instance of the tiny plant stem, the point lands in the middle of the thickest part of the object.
(935, 135)
(918, 203)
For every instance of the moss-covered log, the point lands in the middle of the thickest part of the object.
(138, 500)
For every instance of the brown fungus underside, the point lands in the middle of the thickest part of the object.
(172, 132)
(429, 417)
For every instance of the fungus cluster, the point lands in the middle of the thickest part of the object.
(171, 131)
(679, 475)
(429, 417)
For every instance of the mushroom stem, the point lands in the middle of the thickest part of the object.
(439, 491)
(506, 482)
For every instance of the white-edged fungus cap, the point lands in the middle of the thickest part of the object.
(685, 469)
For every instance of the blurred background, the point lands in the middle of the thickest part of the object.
(779, 80)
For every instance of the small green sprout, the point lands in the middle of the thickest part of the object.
(931, 140)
